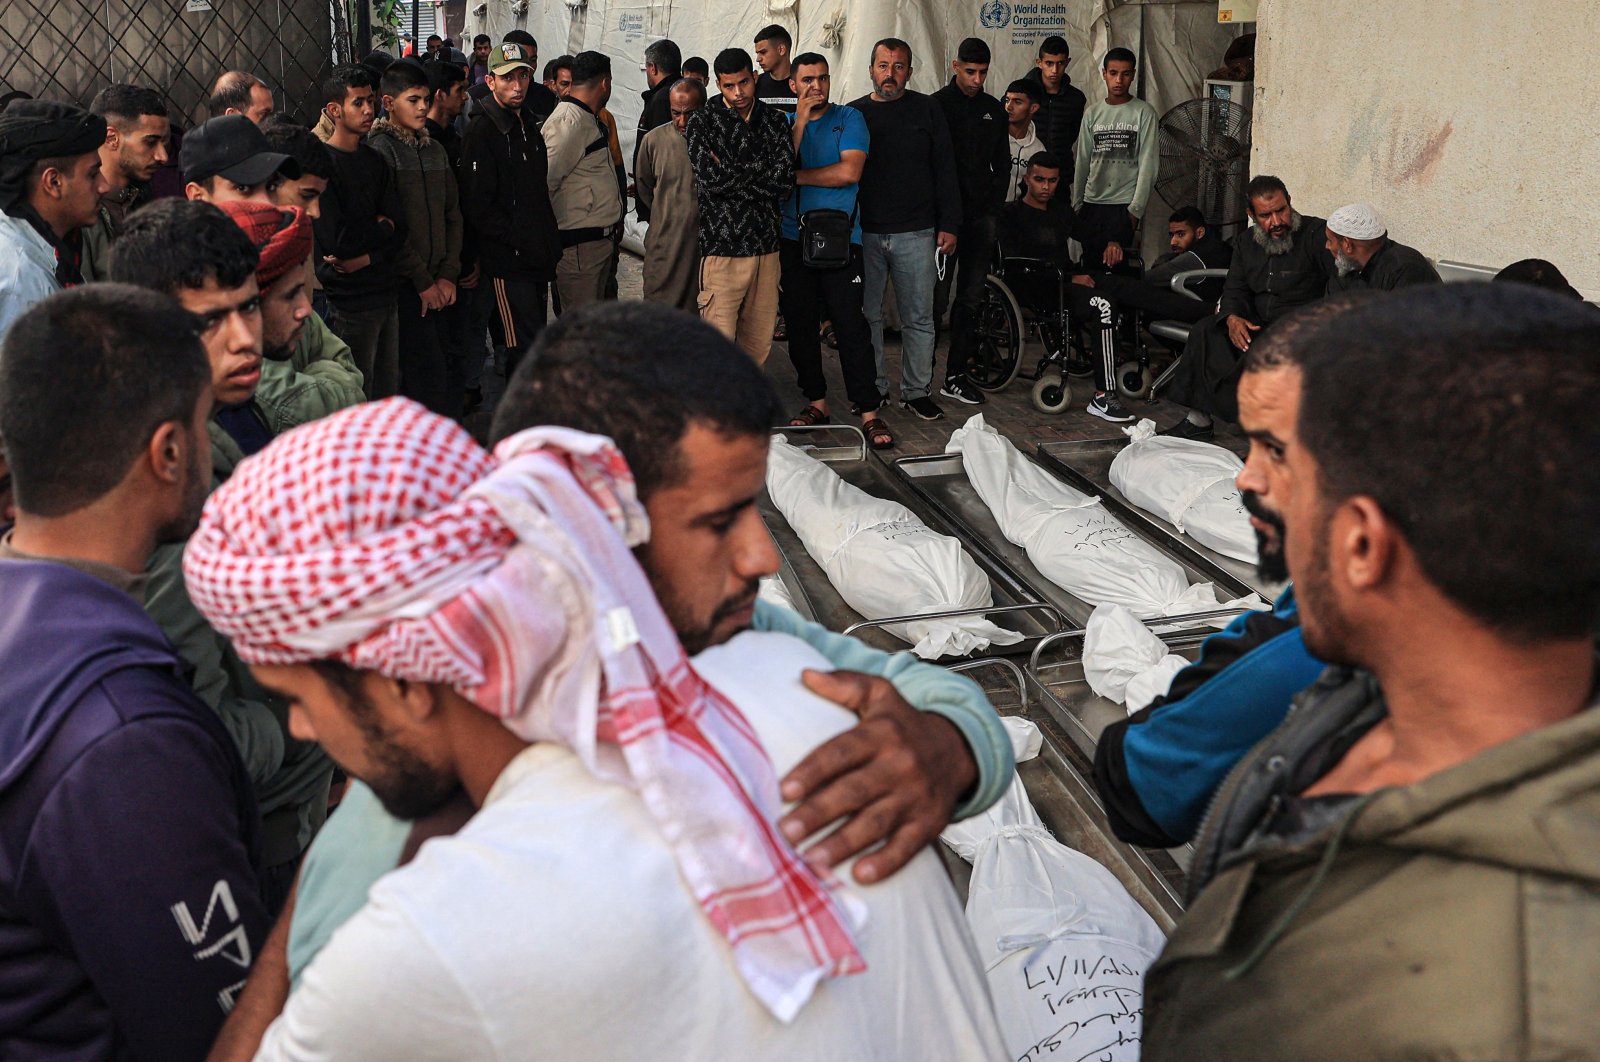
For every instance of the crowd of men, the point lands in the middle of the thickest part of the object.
(251, 553)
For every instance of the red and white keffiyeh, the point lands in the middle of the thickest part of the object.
(385, 537)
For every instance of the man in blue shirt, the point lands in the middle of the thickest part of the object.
(830, 143)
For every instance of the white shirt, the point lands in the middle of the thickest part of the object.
(1021, 151)
(554, 925)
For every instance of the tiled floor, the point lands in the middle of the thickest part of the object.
(1010, 411)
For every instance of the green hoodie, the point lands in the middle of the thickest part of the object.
(1456, 918)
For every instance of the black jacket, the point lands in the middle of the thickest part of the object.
(983, 159)
(362, 189)
(505, 197)
(1058, 121)
(1262, 287)
(1024, 231)
(1394, 266)
(657, 110)
(540, 102)
(1208, 252)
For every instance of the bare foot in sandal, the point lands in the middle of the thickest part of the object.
(879, 437)
(815, 413)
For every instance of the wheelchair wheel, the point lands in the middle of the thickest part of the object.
(1052, 394)
(1134, 381)
(1000, 336)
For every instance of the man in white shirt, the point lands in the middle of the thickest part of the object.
(616, 919)
(1021, 102)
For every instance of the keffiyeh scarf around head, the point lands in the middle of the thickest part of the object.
(384, 537)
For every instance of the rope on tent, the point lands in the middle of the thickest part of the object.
(833, 30)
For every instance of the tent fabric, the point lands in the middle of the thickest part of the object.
(1179, 40)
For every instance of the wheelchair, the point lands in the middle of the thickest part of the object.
(1027, 298)
(1023, 299)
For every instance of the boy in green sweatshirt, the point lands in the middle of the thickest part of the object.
(1118, 156)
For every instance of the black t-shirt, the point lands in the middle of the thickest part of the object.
(776, 94)
(1025, 231)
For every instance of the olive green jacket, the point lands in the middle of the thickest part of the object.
(291, 777)
(1456, 918)
(319, 378)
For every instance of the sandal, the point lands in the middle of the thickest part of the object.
(879, 437)
(808, 417)
(829, 338)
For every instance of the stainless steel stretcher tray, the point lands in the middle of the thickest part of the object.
(1086, 465)
(1053, 694)
(844, 449)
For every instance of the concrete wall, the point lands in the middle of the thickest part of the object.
(1474, 125)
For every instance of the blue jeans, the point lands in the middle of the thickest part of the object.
(908, 257)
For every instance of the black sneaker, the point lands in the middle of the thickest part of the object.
(924, 407)
(961, 389)
(1187, 429)
(1106, 407)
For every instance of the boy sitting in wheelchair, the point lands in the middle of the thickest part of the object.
(1038, 284)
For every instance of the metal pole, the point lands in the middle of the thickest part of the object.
(416, 29)
(363, 30)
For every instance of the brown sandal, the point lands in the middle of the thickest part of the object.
(808, 417)
(879, 437)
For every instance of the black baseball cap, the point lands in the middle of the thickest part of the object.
(232, 147)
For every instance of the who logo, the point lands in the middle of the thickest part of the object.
(996, 14)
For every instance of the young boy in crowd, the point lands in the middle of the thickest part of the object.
(360, 233)
(429, 261)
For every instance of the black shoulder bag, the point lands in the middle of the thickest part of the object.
(825, 233)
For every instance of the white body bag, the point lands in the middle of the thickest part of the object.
(1064, 945)
(1189, 484)
(882, 559)
(1069, 535)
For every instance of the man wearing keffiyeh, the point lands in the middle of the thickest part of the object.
(50, 189)
(439, 617)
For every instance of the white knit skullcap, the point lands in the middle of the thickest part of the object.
(1358, 221)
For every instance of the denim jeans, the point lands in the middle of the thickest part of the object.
(908, 258)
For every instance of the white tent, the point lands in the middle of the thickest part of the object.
(1178, 41)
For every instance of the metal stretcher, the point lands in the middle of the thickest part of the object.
(1051, 690)
(940, 483)
(1086, 465)
(844, 449)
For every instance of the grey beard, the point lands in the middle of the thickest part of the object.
(1345, 264)
(1276, 245)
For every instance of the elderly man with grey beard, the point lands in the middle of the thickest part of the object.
(1365, 258)
(1283, 263)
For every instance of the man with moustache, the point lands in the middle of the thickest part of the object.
(1366, 258)
(137, 130)
(1282, 264)
(510, 222)
(1405, 868)
(667, 196)
(910, 200)
(1157, 770)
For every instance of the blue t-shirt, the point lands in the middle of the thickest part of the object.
(836, 130)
